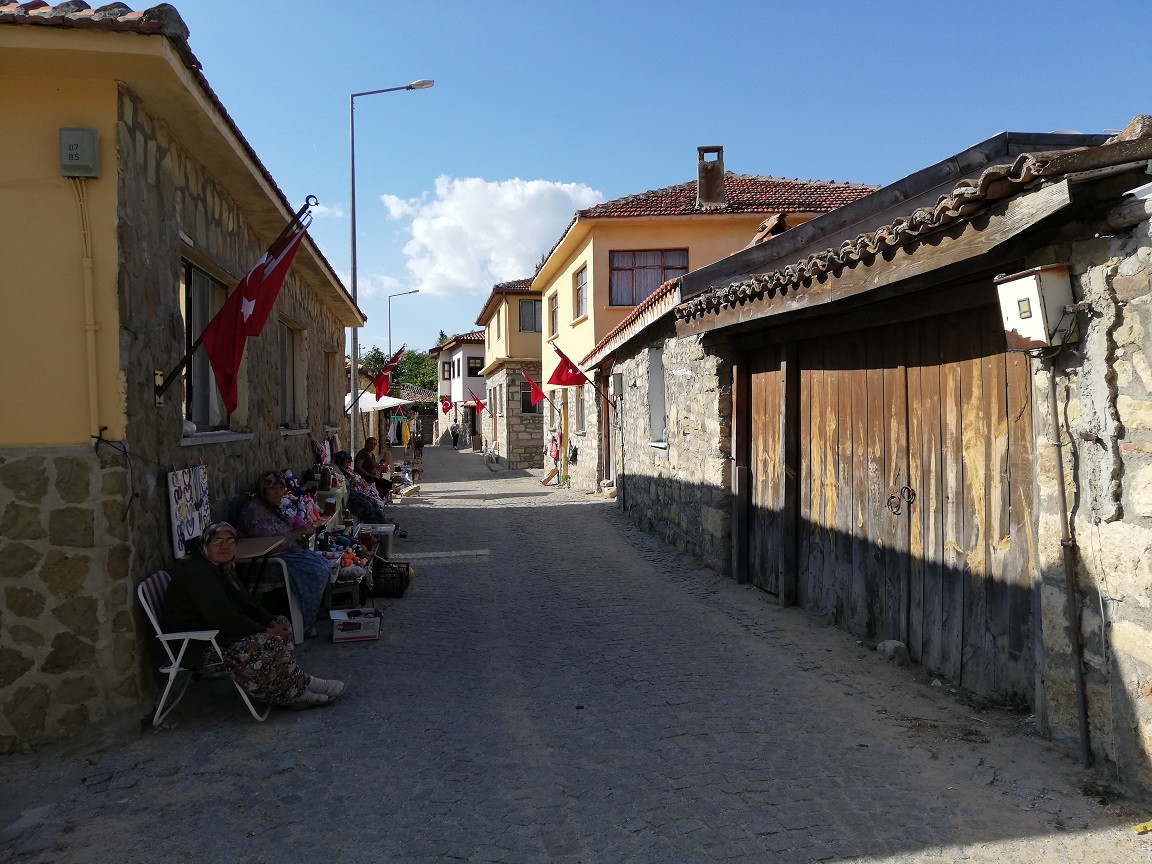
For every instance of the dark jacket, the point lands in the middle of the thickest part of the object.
(201, 597)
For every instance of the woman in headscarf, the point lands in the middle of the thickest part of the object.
(206, 595)
(309, 571)
(363, 499)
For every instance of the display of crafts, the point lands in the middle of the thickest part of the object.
(354, 554)
(298, 506)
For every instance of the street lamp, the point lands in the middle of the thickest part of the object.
(422, 84)
(390, 296)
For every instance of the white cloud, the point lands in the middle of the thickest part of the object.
(321, 211)
(475, 233)
(370, 286)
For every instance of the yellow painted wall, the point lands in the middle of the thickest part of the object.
(511, 342)
(706, 239)
(43, 354)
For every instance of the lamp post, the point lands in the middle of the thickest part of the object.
(390, 296)
(354, 383)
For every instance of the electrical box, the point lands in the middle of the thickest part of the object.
(616, 384)
(1032, 307)
(79, 153)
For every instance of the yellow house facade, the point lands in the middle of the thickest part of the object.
(134, 207)
(512, 322)
(614, 256)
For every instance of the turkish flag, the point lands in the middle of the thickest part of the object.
(537, 393)
(246, 311)
(445, 404)
(479, 404)
(566, 373)
(384, 378)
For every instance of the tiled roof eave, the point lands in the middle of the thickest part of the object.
(966, 201)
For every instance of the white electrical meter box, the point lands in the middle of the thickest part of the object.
(79, 153)
(1032, 306)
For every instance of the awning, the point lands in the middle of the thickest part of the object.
(369, 402)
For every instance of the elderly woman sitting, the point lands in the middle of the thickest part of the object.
(363, 499)
(206, 595)
(308, 570)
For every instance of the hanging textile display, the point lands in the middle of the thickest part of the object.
(188, 505)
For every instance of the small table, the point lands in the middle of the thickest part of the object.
(251, 548)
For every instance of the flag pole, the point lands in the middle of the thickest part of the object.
(591, 381)
(164, 383)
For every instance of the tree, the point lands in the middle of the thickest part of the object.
(413, 367)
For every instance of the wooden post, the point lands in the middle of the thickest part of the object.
(564, 436)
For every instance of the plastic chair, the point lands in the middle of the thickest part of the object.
(151, 593)
(276, 567)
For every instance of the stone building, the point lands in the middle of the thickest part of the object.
(614, 256)
(166, 209)
(460, 361)
(513, 426)
(856, 414)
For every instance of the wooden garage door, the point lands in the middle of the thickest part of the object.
(766, 524)
(933, 411)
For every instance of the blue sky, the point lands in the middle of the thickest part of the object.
(540, 108)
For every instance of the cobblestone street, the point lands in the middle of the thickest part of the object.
(557, 686)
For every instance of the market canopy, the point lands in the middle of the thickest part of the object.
(369, 402)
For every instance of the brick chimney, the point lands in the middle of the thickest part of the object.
(710, 178)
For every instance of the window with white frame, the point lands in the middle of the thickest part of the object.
(446, 371)
(475, 364)
(553, 314)
(634, 274)
(290, 340)
(497, 323)
(578, 405)
(580, 293)
(657, 413)
(530, 316)
(201, 298)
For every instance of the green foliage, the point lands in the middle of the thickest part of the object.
(1102, 792)
(1001, 700)
(442, 338)
(413, 367)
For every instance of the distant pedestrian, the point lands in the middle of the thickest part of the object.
(455, 430)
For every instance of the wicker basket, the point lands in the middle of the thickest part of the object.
(390, 578)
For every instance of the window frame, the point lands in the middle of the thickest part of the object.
(537, 314)
(666, 272)
(198, 371)
(580, 293)
(553, 314)
(293, 365)
(581, 420)
(657, 398)
(526, 406)
(478, 363)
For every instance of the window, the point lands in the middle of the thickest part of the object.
(201, 298)
(497, 323)
(291, 365)
(580, 292)
(446, 370)
(526, 406)
(553, 314)
(633, 276)
(578, 396)
(529, 316)
(475, 364)
(657, 416)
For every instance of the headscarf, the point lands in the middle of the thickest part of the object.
(206, 536)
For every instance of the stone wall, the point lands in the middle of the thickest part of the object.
(518, 435)
(1104, 392)
(588, 470)
(681, 491)
(79, 529)
(67, 645)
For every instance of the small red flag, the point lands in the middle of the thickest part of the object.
(566, 373)
(537, 393)
(383, 379)
(479, 404)
(246, 311)
(445, 404)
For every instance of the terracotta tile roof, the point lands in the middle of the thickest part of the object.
(516, 286)
(969, 198)
(415, 393)
(459, 339)
(653, 306)
(746, 193)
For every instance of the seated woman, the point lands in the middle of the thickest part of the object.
(206, 595)
(308, 570)
(363, 499)
(376, 470)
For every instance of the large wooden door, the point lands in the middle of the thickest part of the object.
(914, 492)
(765, 518)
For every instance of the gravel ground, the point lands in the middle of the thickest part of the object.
(559, 686)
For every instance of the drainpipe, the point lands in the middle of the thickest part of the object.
(90, 325)
(1068, 549)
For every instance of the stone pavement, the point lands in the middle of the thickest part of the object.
(557, 686)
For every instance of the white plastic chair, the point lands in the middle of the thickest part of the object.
(280, 579)
(151, 593)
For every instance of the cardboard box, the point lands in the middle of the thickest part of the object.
(355, 625)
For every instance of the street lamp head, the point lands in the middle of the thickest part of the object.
(422, 84)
